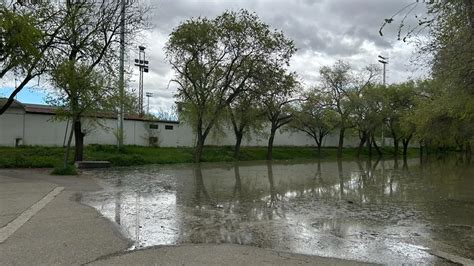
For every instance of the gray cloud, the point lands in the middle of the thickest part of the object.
(323, 30)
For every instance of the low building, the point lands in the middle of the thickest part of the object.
(33, 124)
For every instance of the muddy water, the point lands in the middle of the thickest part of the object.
(375, 211)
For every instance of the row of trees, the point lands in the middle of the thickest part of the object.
(232, 71)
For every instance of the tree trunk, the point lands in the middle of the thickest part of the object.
(270, 144)
(273, 195)
(200, 188)
(379, 152)
(341, 142)
(395, 147)
(79, 141)
(405, 147)
(318, 141)
(395, 163)
(67, 148)
(363, 139)
(370, 137)
(321, 136)
(238, 142)
(199, 148)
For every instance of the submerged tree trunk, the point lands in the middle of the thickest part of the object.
(341, 142)
(405, 142)
(320, 144)
(238, 182)
(405, 147)
(370, 138)
(395, 147)
(318, 140)
(79, 141)
(270, 143)
(199, 148)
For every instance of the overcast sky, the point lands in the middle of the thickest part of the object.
(324, 31)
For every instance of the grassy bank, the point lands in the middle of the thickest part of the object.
(40, 157)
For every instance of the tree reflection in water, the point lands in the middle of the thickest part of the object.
(332, 208)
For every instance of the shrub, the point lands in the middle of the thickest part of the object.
(68, 170)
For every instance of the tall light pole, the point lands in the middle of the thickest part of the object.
(384, 61)
(142, 65)
(148, 95)
(121, 76)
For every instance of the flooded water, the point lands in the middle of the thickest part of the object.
(375, 211)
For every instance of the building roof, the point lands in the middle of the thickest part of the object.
(51, 110)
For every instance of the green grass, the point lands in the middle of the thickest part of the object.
(49, 157)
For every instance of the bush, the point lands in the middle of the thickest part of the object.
(68, 170)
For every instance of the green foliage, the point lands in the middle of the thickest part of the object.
(20, 38)
(314, 117)
(444, 119)
(444, 116)
(215, 60)
(68, 170)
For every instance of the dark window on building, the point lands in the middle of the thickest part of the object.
(168, 127)
(153, 126)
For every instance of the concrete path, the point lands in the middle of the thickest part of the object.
(225, 254)
(59, 230)
(63, 232)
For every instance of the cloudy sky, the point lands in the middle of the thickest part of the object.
(324, 31)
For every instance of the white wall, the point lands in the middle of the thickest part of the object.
(42, 129)
(11, 126)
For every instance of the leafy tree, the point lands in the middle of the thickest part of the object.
(447, 105)
(245, 116)
(92, 93)
(339, 82)
(443, 120)
(28, 34)
(398, 107)
(314, 117)
(280, 87)
(85, 52)
(367, 115)
(215, 59)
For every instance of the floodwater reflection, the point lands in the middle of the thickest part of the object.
(374, 211)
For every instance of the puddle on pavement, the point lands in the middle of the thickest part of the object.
(376, 211)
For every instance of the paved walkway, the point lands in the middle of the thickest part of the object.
(42, 223)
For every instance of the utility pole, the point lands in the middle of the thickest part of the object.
(121, 76)
(142, 65)
(384, 61)
(148, 95)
